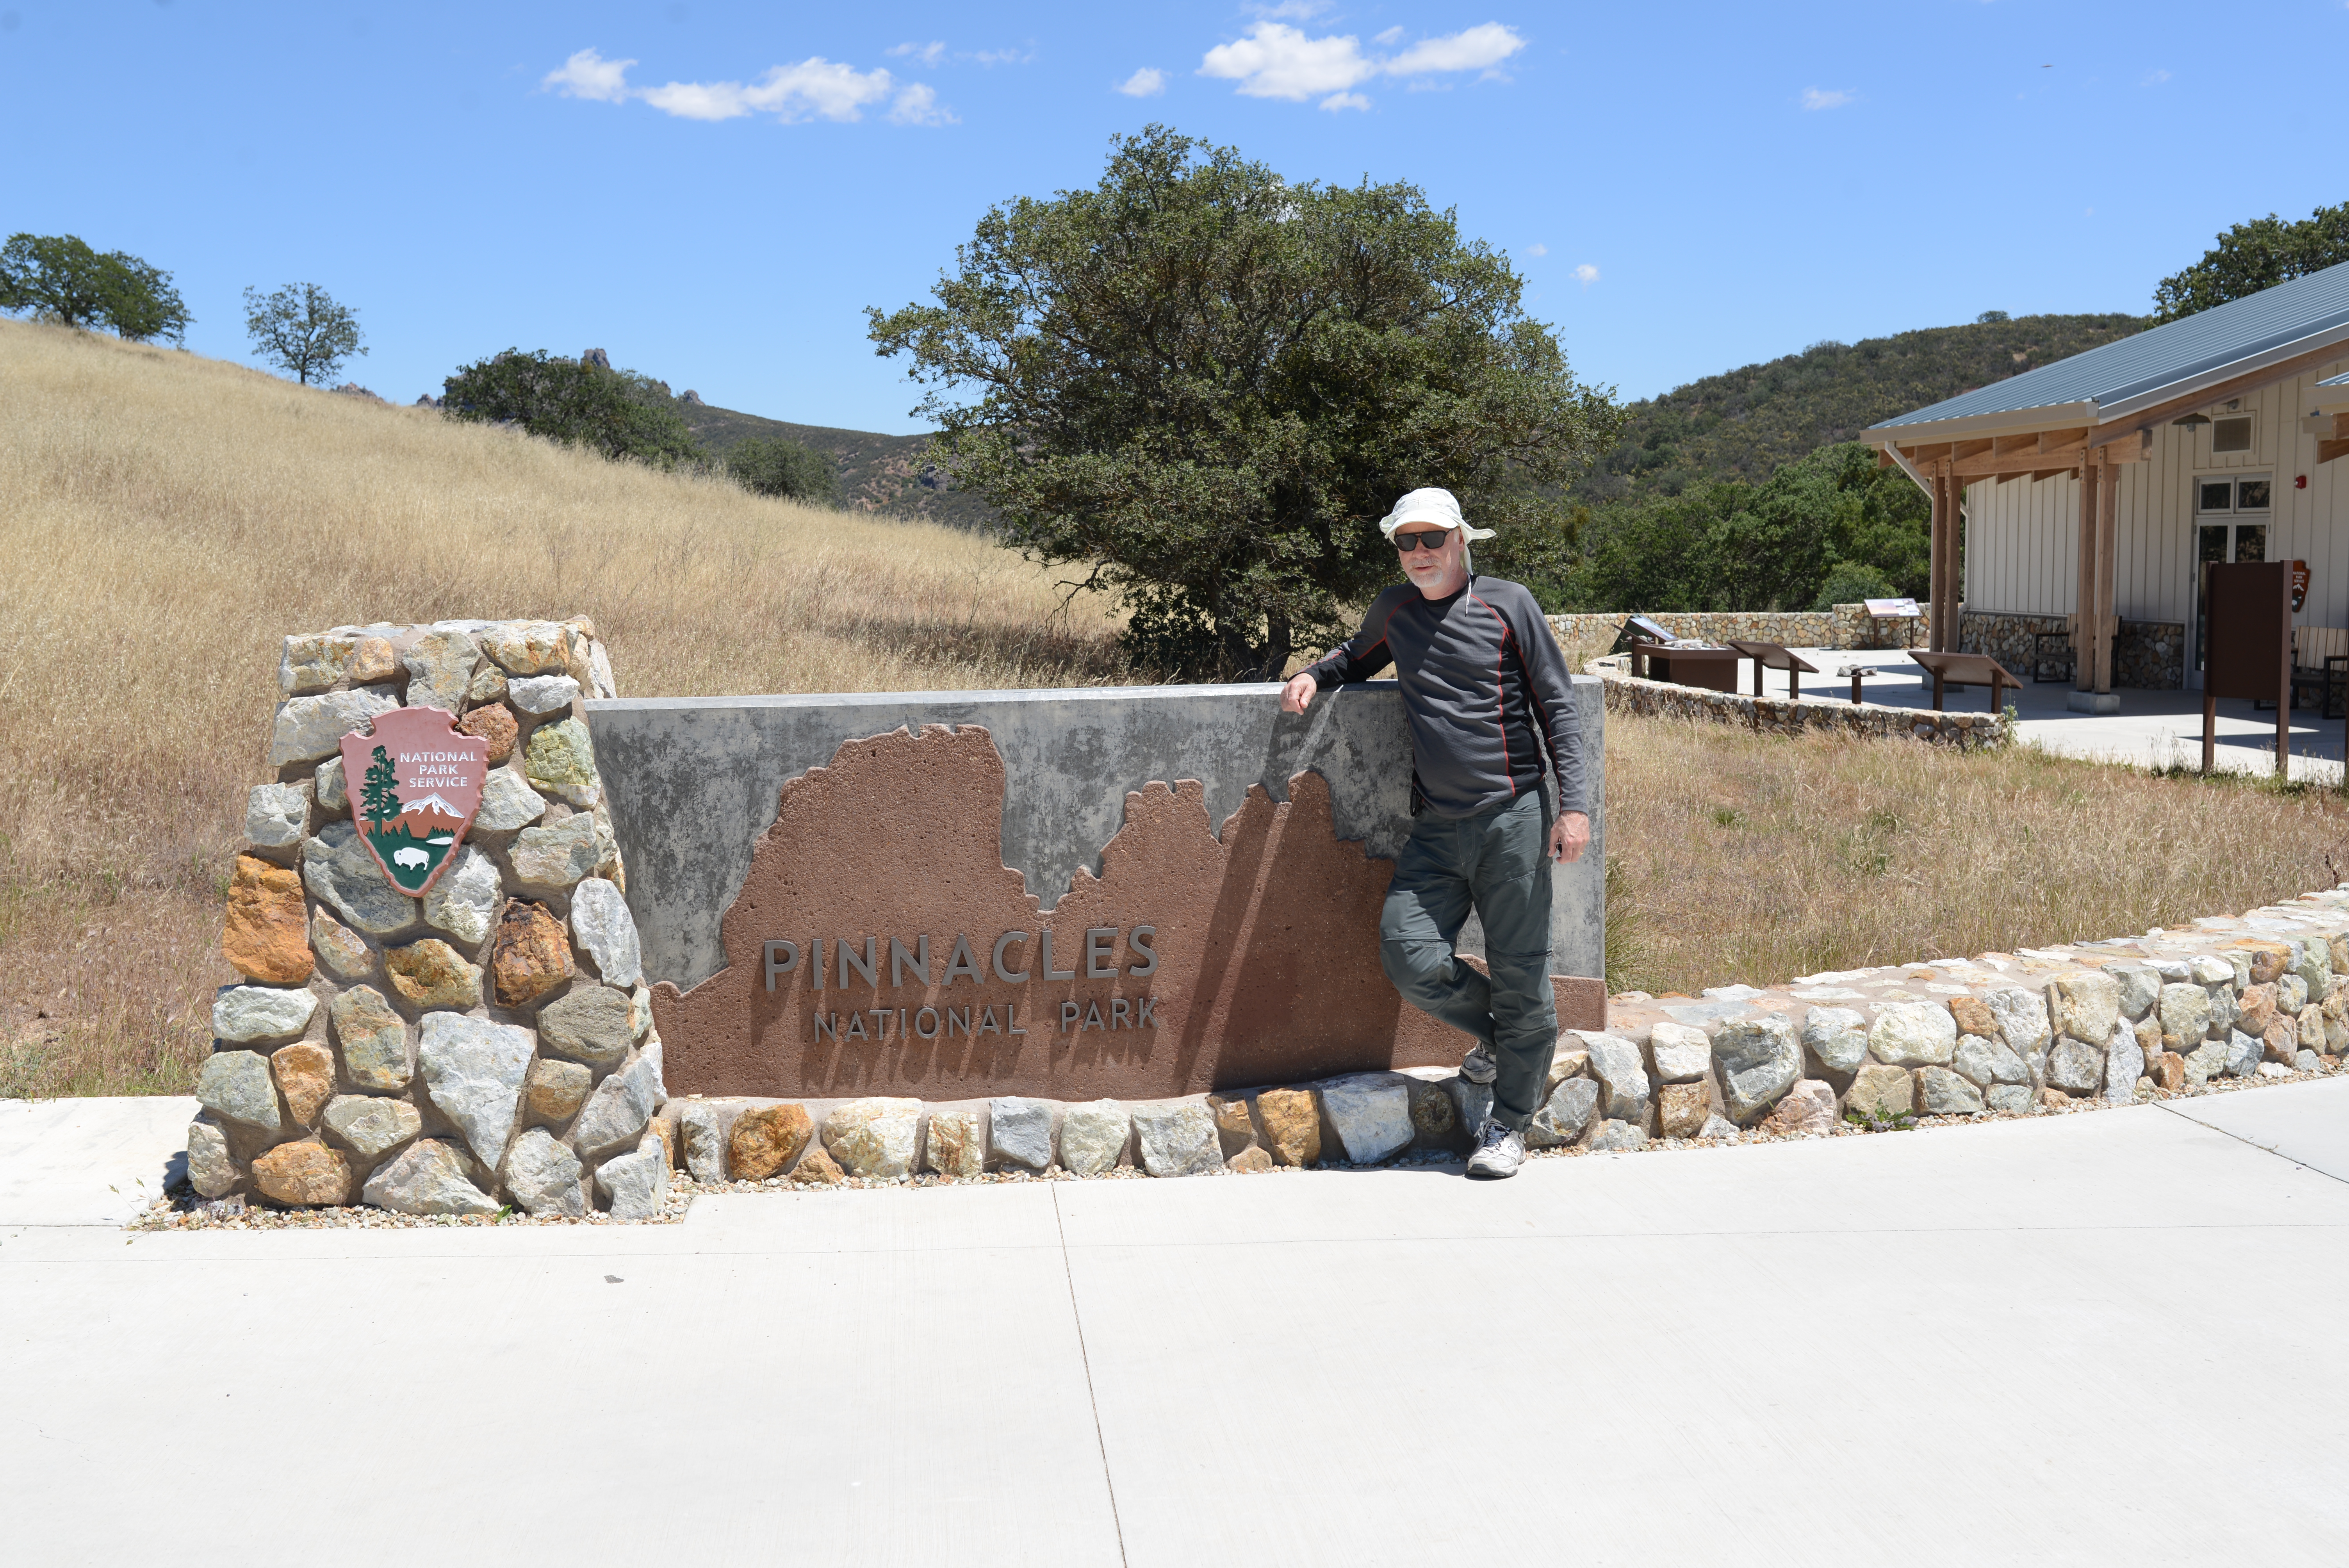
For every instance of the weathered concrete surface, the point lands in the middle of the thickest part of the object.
(693, 781)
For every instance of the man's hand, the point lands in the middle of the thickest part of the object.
(1569, 835)
(1301, 690)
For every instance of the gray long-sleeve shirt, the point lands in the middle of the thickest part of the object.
(1484, 686)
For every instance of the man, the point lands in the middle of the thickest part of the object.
(1488, 697)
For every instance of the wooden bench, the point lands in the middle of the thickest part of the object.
(1962, 670)
(1775, 657)
(1714, 669)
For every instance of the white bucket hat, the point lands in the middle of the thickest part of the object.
(1429, 505)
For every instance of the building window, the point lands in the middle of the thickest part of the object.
(2233, 434)
(2233, 495)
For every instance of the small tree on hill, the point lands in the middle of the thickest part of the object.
(301, 330)
(1202, 384)
(57, 278)
(615, 412)
(2255, 255)
(779, 467)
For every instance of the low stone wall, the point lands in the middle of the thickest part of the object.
(1782, 717)
(489, 1043)
(1845, 627)
(2150, 656)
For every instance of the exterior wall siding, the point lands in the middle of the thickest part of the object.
(2022, 536)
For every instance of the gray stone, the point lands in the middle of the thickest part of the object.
(1617, 1135)
(542, 693)
(590, 1024)
(2243, 1053)
(2023, 1019)
(874, 1138)
(600, 922)
(1720, 1128)
(1177, 1139)
(428, 1179)
(1680, 1054)
(1563, 1116)
(2075, 1065)
(464, 900)
(248, 1014)
(277, 816)
(309, 727)
(1759, 1059)
(551, 859)
(1837, 1037)
(1941, 1092)
(636, 1185)
(702, 1128)
(237, 1086)
(2007, 1097)
(2207, 1061)
(2307, 1062)
(560, 760)
(370, 1124)
(1615, 1063)
(2123, 1065)
(1019, 1133)
(211, 1170)
(489, 684)
(440, 670)
(508, 803)
(599, 672)
(1369, 1113)
(326, 786)
(1915, 1034)
(544, 1177)
(1473, 1102)
(2185, 1011)
(2292, 996)
(2312, 965)
(2208, 969)
(339, 872)
(373, 1038)
(1983, 1062)
(621, 1108)
(2140, 989)
(1092, 1136)
(473, 1072)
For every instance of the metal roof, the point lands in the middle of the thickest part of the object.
(2116, 379)
(2340, 380)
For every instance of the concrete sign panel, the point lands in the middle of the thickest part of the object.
(415, 784)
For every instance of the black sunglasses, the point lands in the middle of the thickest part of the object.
(1424, 539)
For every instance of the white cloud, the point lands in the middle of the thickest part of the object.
(1147, 82)
(1393, 34)
(1002, 56)
(1585, 274)
(1275, 60)
(2155, 79)
(588, 75)
(1828, 97)
(1536, 250)
(1297, 10)
(929, 54)
(918, 105)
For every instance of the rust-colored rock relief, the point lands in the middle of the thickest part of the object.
(1193, 962)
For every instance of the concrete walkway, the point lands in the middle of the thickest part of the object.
(2108, 1338)
(2153, 729)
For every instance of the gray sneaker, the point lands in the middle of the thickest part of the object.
(1480, 1066)
(1500, 1150)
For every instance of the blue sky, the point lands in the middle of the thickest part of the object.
(713, 192)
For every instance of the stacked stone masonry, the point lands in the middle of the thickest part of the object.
(2148, 656)
(487, 1046)
(1784, 716)
(1846, 626)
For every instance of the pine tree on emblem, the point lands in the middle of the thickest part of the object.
(379, 802)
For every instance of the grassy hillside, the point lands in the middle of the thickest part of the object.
(167, 519)
(1743, 423)
(882, 474)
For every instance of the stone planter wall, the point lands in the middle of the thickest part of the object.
(486, 1046)
(1845, 627)
(1780, 715)
(2150, 656)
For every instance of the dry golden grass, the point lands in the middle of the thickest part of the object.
(166, 520)
(1754, 857)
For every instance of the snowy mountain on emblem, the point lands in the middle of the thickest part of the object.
(431, 805)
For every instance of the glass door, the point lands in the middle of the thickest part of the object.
(2230, 525)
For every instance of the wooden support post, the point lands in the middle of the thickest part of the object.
(2108, 490)
(2210, 728)
(2084, 589)
(2284, 690)
(1937, 570)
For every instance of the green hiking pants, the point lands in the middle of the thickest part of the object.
(1493, 861)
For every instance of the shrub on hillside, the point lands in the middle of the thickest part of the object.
(617, 412)
(774, 466)
(1850, 582)
(57, 278)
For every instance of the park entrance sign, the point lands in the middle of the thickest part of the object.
(415, 784)
(1076, 894)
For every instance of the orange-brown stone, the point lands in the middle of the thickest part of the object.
(306, 1175)
(494, 723)
(305, 1077)
(266, 933)
(2259, 1008)
(1292, 1125)
(765, 1140)
(820, 1167)
(2269, 961)
(2169, 1071)
(1975, 1017)
(530, 953)
(2281, 1040)
(430, 974)
(1250, 1162)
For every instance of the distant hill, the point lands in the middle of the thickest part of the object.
(1743, 423)
(882, 474)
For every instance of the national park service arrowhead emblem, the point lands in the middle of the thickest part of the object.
(414, 784)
